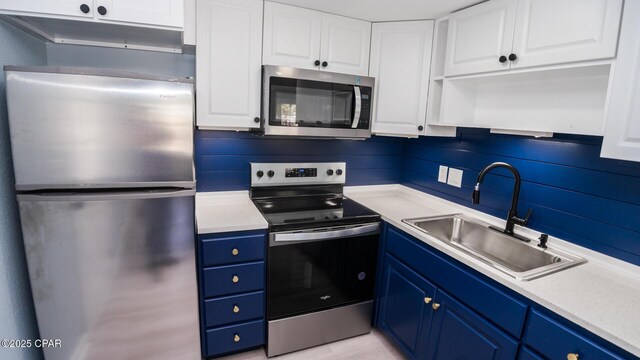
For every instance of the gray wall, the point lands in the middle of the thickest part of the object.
(121, 59)
(17, 317)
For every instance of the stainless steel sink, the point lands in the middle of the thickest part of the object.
(523, 261)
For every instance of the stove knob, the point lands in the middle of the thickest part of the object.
(329, 172)
(270, 173)
(339, 171)
(260, 173)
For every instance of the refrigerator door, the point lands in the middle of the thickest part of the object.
(97, 129)
(113, 275)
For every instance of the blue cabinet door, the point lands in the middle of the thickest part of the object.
(459, 333)
(405, 312)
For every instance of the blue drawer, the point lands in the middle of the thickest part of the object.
(484, 298)
(234, 309)
(219, 281)
(554, 340)
(232, 249)
(235, 338)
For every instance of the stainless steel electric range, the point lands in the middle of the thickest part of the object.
(322, 255)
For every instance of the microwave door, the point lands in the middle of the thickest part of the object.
(357, 108)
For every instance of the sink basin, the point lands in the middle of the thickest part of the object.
(519, 259)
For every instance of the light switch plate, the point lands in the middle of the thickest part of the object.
(455, 177)
(442, 174)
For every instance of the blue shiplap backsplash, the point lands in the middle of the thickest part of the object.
(223, 157)
(575, 195)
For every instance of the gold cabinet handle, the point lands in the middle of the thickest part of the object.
(572, 356)
(235, 252)
(427, 300)
(236, 338)
(435, 306)
(236, 309)
(235, 279)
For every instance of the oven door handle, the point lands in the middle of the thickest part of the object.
(357, 107)
(369, 229)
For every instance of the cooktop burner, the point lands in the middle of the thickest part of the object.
(305, 196)
(305, 212)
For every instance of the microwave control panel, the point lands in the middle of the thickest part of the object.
(365, 110)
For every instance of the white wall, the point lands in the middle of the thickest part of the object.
(17, 317)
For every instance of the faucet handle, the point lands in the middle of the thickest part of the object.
(523, 221)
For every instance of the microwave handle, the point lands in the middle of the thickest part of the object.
(358, 107)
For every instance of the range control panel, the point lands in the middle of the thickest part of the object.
(279, 174)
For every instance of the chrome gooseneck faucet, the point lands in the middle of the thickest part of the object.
(512, 217)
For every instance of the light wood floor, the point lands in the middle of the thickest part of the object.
(373, 346)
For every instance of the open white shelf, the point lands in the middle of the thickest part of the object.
(561, 100)
(434, 128)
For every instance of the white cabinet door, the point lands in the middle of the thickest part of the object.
(400, 62)
(553, 32)
(229, 37)
(345, 45)
(291, 36)
(49, 7)
(622, 133)
(162, 13)
(479, 36)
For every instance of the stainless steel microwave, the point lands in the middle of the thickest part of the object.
(311, 103)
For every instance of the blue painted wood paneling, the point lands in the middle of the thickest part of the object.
(223, 157)
(575, 195)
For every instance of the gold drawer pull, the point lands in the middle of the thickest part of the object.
(235, 279)
(236, 309)
(235, 252)
(236, 338)
(427, 300)
(435, 306)
(572, 356)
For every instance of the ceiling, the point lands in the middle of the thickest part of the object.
(384, 10)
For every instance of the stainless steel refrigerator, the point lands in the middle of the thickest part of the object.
(104, 172)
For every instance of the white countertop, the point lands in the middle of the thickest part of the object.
(601, 296)
(226, 211)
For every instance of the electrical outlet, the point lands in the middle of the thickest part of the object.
(455, 177)
(442, 174)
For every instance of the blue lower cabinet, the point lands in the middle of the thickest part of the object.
(526, 354)
(234, 309)
(459, 333)
(234, 338)
(233, 279)
(232, 304)
(405, 311)
(554, 340)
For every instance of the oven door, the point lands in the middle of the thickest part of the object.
(319, 269)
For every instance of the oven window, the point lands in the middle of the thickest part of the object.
(312, 276)
(308, 103)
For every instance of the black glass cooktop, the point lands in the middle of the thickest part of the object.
(304, 212)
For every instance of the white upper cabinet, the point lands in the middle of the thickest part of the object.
(345, 44)
(291, 36)
(622, 132)
(479, 36)
(553, 31)
(400, 62)
(165, 13)
(313, 40)
(509, 34)
(73, 8)
(228, 63)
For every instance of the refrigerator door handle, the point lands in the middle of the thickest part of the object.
(97, 196)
